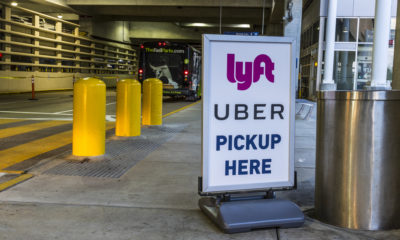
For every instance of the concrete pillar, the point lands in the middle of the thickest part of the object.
(292, 28)
(381, 45)
(328, 83)
(35, 21)
(7, 37)
(396, 60)
(59, 45)
(77, 48)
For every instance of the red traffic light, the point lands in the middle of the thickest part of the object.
(140, 71)
(186, 72)
(141, 46)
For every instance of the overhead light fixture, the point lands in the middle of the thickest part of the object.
(240, 25)
(14, 4)
(215, 25)
(198, 25)
(59, 16)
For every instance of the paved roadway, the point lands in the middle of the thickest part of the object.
(58, 106)
(33, 130)
(144, 188)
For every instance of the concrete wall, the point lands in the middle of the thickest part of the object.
(13, 81)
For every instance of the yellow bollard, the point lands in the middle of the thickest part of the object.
(128, 108)
(152, 101)
(89, 135)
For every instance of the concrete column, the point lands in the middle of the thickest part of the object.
(92, 51)
(59, 46)
(292, 27)
(396, 60)
(381, 45)
(328, 83)
(7, 37)
(77, 49)
(36, 20)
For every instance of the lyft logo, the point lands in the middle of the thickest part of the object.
(252, 71)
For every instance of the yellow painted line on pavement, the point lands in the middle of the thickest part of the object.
(4, 121)
(17, 154)
(11, 172)
(180, 109)
(19, 179)
(110, 125)
(7, 132)
(20, 153)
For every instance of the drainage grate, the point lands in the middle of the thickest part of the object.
(121, 154)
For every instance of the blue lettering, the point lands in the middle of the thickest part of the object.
(227, 167)
(243, 167)
(221, 140)
(237, 146)
(250, 141)
(230, 142)
(276, 138)
(254, 166)
(247, 167)
(260, 141)
(266, 166)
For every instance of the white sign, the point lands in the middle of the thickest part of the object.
(248, 112)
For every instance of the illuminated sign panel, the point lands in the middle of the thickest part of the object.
(248, 113)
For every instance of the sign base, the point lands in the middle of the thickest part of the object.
(246, 215)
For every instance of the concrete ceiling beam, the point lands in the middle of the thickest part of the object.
(225, 20)
(192, 3)
(174, 14)
(173, 11)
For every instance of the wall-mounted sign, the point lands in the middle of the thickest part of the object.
(248, 113)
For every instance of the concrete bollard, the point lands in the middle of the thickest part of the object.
(152, 101)
(128, 108)
(89, 120)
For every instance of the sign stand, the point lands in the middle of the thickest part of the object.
(243, 213)
(236, 216)
(248, 126)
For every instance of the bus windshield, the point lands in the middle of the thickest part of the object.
(165, 66)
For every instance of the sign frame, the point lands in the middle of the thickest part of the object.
(207, 39)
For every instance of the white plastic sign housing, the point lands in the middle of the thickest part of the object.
(248, 113)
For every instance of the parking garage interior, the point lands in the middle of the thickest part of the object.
(143, 187)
